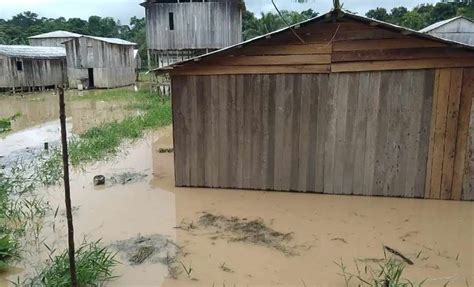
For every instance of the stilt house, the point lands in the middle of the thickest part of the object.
(96, 62)
(27, 68)
(178, 30)
(358, 107)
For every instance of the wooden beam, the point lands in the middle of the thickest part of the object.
(307, 49)
(378, 44)
(451, 132)
(429, 165)
(440, 132)
(236, 70)
(467, 94)
(272, 60)
(400, 54)
(402, 65)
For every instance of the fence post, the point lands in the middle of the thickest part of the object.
(67, 188)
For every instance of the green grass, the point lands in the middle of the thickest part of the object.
(6, 123)
(8, 247)
(19, 206)
(387, 273)
(94, 264)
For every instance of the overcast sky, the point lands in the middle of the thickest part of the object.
(124, 9)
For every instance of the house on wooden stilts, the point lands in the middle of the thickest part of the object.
(359, 107)
(26, 68)
(97, 62)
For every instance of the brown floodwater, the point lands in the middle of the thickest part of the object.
(438, 236)
(39, 117)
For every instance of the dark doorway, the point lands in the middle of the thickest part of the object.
(91, 78)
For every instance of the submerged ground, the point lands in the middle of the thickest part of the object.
(205, 237)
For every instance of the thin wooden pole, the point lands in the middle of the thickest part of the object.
(67, 188)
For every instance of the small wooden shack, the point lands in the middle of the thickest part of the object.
(29, 68)
(459, 29)
(52, 39)
(359, 107)
(96, 62)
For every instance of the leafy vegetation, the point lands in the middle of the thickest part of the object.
(6, 124)
(17, 29)
(8, 248)
(94, 264)
(425, 14)
(19, 206)
(387, 273)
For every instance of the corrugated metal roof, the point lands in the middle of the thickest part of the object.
(340, 14)
(439, 24)
(116, 41)
(33, 52)
(56, 34)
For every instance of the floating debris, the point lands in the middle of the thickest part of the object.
(253, 231)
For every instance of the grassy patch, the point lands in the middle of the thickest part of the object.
(104, 141)
(8, 248)
(386, 273)
(94, 264)
(20, 208)
(6, 123)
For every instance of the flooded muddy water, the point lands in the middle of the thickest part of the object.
(238, 238)
(39, 122)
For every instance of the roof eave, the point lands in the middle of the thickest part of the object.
(330, 16)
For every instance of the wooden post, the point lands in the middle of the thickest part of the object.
(67, 188)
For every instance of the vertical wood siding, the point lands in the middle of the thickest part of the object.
(35, 73)
(204, 25)
(453, 92)
(344, 133)
(114, 65)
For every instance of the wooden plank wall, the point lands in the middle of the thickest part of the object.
(453, 92)
(468, 188)
(198, 25)
(35, 73)
(114, 65)
(343, 133)
(345, 46)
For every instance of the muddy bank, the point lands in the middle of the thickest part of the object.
(437, 236)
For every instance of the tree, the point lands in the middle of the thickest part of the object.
(378, 14)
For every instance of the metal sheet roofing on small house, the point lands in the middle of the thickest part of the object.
(56, 34)
(30, 52)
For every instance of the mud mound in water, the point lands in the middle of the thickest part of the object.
(124, 178)
(154, 248)
(243, 230)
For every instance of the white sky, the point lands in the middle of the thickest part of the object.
(125, 9)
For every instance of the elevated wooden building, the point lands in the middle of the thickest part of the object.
(459, 29)
(52, 39)
(27, 68)
(360, 107)
(96, 62)
(179, 30)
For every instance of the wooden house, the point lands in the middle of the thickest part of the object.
(30, 68)
(52, 39)
(178, 30)
(459, 29)
(96, 62)
(356, 107)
